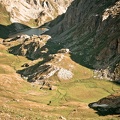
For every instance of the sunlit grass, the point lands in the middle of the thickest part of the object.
(22, 100)
(4, 16)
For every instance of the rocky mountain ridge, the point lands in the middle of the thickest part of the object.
(58, 65)
(94, 45)
(90, 30)
(87, 34)
(39, 11)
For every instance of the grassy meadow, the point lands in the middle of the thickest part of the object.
(20, 100)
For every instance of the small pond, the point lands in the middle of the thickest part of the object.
(30, 32)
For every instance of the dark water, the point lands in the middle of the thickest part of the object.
(30, 32)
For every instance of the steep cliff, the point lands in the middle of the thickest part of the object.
(15, 14)
(37, 11)
(91, 30)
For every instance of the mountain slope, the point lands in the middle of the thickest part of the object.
(89, 34)
(39, 12)
(20, 100)
(16, 14)
(4, 15)
(90, 29)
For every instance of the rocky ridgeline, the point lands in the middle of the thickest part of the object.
(41, 10)
(90, 30)
(111, 11)
(34, 47)
(53, 65)
(31, 47)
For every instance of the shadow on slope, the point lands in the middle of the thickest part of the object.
(85, 33)
(11, 29)
(54, 22)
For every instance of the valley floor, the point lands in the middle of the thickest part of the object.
(20, 100)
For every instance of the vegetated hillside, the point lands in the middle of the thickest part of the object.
(35, 12)
(91, 30)
(67, 99)
(64, 88)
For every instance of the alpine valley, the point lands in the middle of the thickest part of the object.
(59, 60)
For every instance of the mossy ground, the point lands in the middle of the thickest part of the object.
(20, 100)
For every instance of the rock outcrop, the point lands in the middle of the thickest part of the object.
(52, 66)
(90, 30)
(108, 73)
(41, 11)
(108, 105)
(31, 47)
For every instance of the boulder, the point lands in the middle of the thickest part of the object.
(108, 105)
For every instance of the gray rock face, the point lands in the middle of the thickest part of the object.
(90, 30)
(112, 75)
(31, 47)
(41, 10)
(107, 105)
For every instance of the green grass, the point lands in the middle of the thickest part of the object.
(87, 90)
(22, 100)
(11, 60)
(80, 91)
